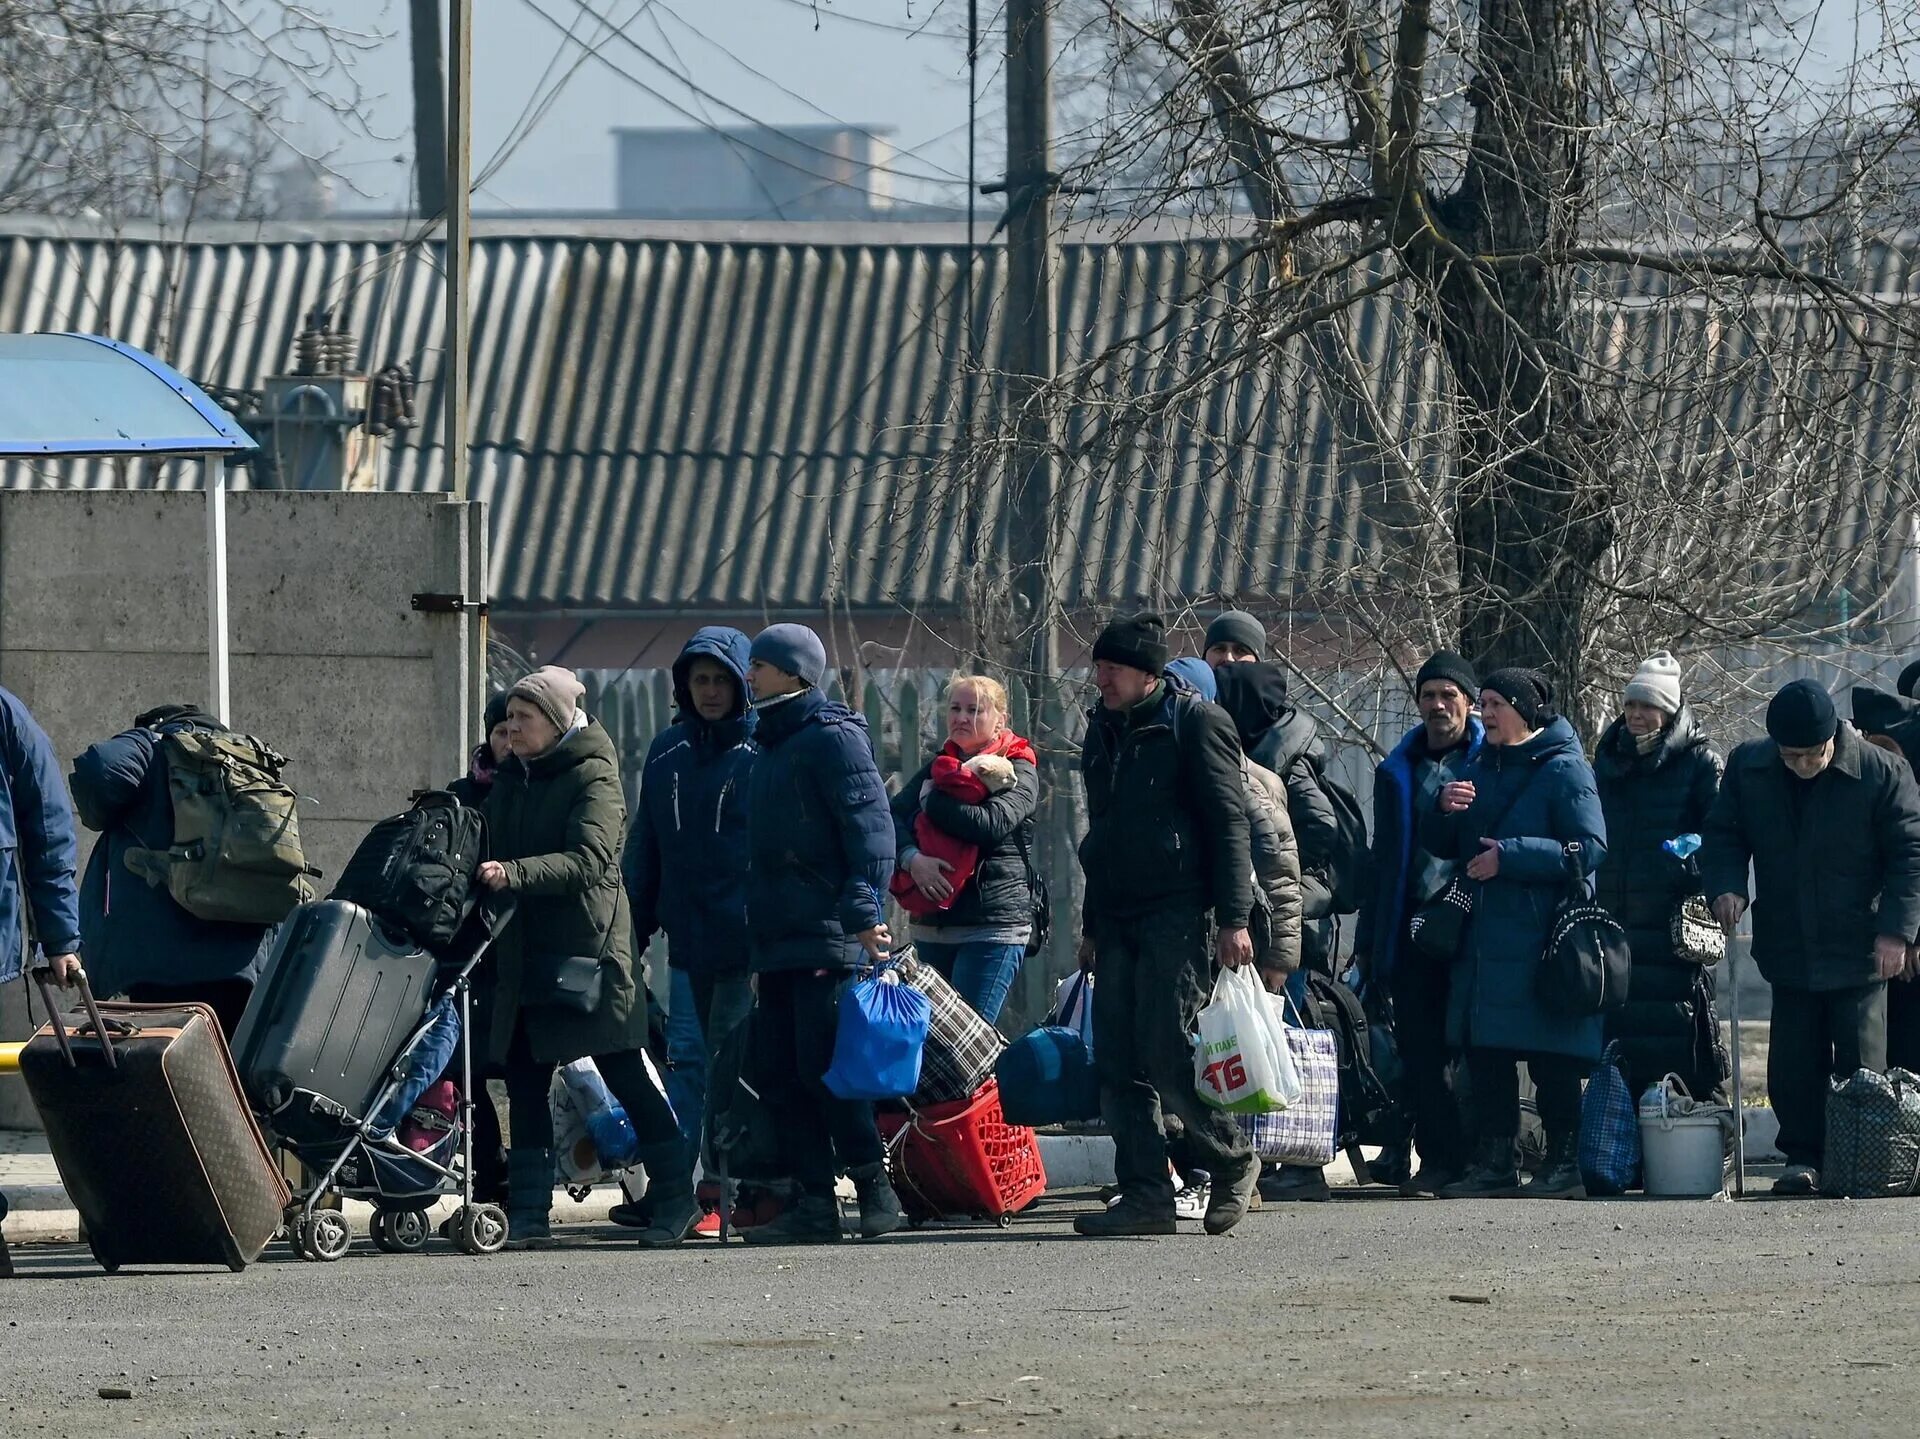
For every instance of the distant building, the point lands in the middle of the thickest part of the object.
(754, 172)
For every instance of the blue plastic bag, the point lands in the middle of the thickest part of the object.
(882, 1031)
(1609, 1130)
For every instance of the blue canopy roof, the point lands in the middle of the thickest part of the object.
(88, 395)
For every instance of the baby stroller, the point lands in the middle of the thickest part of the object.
(350, 1030)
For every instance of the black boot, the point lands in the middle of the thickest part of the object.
(1491, 1175)
(879, 1205)
(529, 1198)
(1126, 1217)
(1294, 1184)
(1559, 1176)
(810, 1219)
(672, 1209)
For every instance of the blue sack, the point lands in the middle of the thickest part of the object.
(882, 1031)
(1046, 1076)
(1609, 1129)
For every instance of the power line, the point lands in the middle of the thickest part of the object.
(821, 11)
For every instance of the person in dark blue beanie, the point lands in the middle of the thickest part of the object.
(820, 853)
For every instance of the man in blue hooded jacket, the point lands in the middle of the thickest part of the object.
(686, 859)
(821, 840)
(39, 893)
(1407, 785)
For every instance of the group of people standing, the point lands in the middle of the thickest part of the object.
(765, 845)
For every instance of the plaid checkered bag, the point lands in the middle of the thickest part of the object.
(962, 1048)
(1303, 1132)
(1609, 1129)
(1873, 1136)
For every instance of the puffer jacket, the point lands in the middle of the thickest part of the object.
(1546, 789)
(1276, 866)
(820, 836)
(557, 822)
(1000, 890)
(1666, 1025)
(134, 932)
(36, 827)
(686, 858)
(1286, 739)
(1167, 813)
(1830, 872)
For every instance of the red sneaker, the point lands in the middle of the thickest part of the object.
(709, 1225)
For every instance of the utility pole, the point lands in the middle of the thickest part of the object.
(1028, 360)
(459, 202)
(429, 110)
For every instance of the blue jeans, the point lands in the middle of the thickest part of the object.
(981, 973)
(697, 1006)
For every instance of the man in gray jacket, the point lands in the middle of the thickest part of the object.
(1831, 827)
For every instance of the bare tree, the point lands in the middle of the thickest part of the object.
(1602, 303)
(131, 108)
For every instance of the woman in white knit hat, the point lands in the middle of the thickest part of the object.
(1658, 777)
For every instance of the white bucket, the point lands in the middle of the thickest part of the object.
(1682, 1153)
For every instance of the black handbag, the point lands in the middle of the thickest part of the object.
(1585, 965)
(1042, 900)
(562, 981)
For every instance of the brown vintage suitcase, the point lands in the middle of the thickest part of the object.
(154, 1141)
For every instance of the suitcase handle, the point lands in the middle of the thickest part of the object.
(98, 1026)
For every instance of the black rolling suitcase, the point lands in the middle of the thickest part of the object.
(338, 999)
(153, 1138)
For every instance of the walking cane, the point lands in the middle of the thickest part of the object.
(1739, 1107)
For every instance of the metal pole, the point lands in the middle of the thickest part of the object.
(217, 656)
(459, 215)
(1739, 1096)
(1029, 359)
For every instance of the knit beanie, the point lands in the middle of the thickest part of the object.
(1528, 691)
(1802, 716)
(1448, 666)
(1237, 627)
(793, 648)
(1910, 680)
(1137, 641)
(1657, 683)
(555, 692)
(1877, 712)
(1199, 677)
(496, 711)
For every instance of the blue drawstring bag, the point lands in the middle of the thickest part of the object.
(882, 1031)
(1609, 1129)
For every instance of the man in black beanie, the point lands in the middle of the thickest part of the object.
(1831, 827)
(1407, 784)
(1167, 858)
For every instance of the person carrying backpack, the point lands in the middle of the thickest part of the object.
(138, 937)
(1167, 861)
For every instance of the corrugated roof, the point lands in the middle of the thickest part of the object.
(664, 422)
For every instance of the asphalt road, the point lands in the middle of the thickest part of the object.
(1617, 1317)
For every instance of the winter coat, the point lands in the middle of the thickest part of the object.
(473, 787)
(686, 859)
(820, 836)
(1276, 865)
(1285, 739)
(1000, 891)
(1648, 799)
(1380, 933)
(1830, 873)
(36, 828)
(134, 932)
(1546, 788)
(556, 821)
(1167, 813)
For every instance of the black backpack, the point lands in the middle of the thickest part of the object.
(415, 871)
(1351, 864)
(1368, 1112)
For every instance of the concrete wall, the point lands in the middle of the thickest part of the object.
(103, 614)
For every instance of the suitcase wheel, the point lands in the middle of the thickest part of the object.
(327, 1236)
(400, 1231)
(480, 1229)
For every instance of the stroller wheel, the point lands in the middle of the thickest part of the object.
(328, 1236)
(408, 1229)
(480, 1229)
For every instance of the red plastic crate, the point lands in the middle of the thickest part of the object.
(963, 1158)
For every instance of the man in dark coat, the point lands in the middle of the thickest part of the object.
(820, 846)
(1831, 827)
(686, 859)
(1166, 849)
(1406, 785)
(1658, 777)
(37, 895)
(138, 940)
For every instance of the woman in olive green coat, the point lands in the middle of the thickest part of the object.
(555, 822)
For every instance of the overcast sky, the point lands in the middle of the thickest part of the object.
(903, 69)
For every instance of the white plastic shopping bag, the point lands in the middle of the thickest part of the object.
(1235, 1067)
(1289, 1083)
